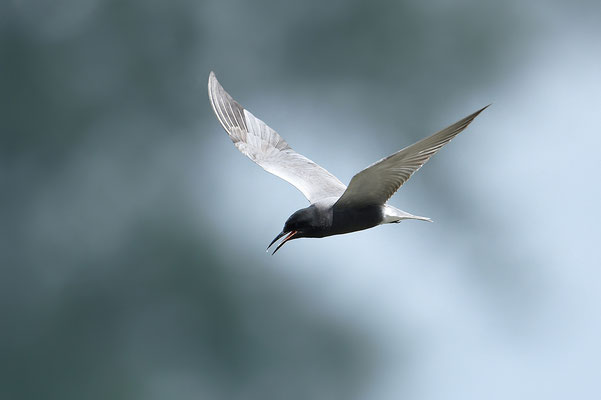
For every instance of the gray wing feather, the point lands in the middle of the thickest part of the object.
(265, 147)
(378, 182)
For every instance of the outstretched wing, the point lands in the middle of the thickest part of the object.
(378, 182)
(264, 146)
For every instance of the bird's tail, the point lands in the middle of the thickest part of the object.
(392, 214)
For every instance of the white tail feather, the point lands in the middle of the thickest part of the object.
(392, 214)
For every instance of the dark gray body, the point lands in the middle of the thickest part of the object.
(328, 217)
(355, 219)
(324, 219)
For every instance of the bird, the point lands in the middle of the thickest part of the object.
(334, 208)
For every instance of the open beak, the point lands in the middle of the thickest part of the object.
(287, 238)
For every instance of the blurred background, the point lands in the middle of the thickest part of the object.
(133, 232)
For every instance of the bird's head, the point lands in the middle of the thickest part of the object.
(298, 225)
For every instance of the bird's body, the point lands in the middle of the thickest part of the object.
(329, 219)
(326, 220)
(335, 209)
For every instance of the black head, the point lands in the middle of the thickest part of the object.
(300, 224)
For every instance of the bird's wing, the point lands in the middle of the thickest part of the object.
(378, 182)
(264, 146)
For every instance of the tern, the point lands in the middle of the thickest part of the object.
(335, 208)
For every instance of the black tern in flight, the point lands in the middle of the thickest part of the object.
(335, 208)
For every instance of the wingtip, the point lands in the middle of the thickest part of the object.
(484, 108)
(471, 117)
(213, 84)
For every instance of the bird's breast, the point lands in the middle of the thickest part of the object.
(351, 219)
